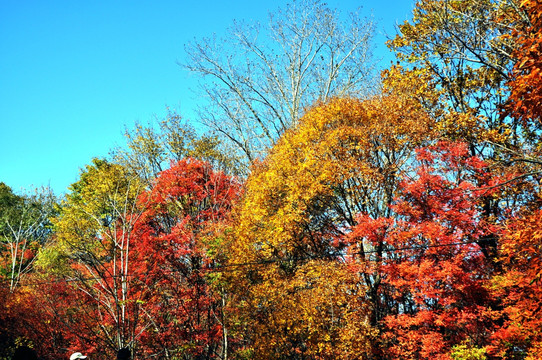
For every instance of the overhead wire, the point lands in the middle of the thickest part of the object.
(263, 262)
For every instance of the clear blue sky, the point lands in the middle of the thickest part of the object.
(74, 73)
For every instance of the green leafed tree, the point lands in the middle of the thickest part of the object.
(24, 228)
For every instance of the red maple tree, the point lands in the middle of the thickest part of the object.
(429, 257)
(175, 237)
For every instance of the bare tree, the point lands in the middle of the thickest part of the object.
(258, 81)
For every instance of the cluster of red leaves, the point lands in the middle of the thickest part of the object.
(433, 270)
(526, 83)
(27, 317)
(520, 288)
(184, 207)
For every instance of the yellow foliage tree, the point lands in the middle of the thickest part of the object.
(346, 156)
(91, 251)
(463, 44)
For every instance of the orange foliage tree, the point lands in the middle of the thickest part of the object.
(526, 83)
(520, 288)
(176, 249)
(519, 284)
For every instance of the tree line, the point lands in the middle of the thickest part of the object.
(326, 213)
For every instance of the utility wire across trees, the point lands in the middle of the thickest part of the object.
(234, 266)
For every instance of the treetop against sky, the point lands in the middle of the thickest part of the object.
(74, 75)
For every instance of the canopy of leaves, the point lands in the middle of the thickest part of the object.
(345, 157)
(24, 228)
(520, 288)
(173, 241)
(91, 250)
(466, 47)
(430, 257)
(405, 226)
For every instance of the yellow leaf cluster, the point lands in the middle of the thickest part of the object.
(316, 313)
(341, 152)
(94, 217)
(345, 156)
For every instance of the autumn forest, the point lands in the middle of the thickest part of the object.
(317, 210)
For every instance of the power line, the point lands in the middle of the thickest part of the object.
(263, 262)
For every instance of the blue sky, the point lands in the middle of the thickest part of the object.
(74, 73)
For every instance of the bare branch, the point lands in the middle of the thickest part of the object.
(258, 81)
